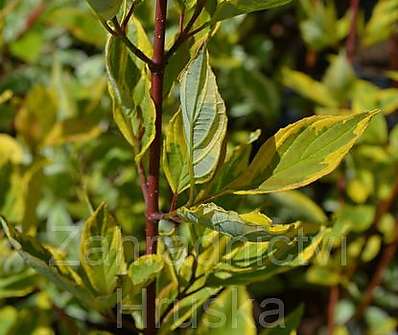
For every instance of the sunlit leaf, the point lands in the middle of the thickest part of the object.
(323, 275)
(32, 41)
(252, 262)
(204, 118)
(236, 163)
(101, 251)
(133, 108)
(19, 284)
(252, 226)
(21, 203)
(372, 248)
(185, 308)
(8, 317)
(145, 269)
(50, 264)
(175, 148)
(230, 8)
(196, 134)
(308, 87)
(231, 313)
(301, 153)
(10, 150)
(381, 24)
(74, 130)
(388, 100)
(321, 28)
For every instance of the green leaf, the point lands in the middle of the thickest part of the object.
(252, 262)
(50, 264)
(175, 148)
(376, 132)
(388, 100)
(18, 285)
(300, 206)
(133, 108)
(181, 58)
(73, 130)
(38, 115)
(301, 153)
(8, 317)
(288, 325)
(364, 96)
(321, 28)
(379, 321)
(21, 203)
(204, 118)
(323, 275)
(145, 269)
(231, 313)
(82, 24)
(361, 186)
(357, 218)
(230, 8)
(185, 308)
(101, 251)
(381, 24)
(138, 34)
(394, 141)
(186, 4)
(175, 247)
(32, 41)
(252, 226)
(372, 248)
(308, 87)
(235, 164)
(107, 9)
(195, 149)
(10, 150)
(339, 78)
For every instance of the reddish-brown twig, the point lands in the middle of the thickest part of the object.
(333, 300)
(186, 32)
(32, 18)
(352, 36)
(152, 203)
(385, 260)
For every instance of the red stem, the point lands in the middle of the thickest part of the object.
(186, 32)
(173, 202)
(32, 18)
(333, 300)
(152, 206)
(352, 37)
(385, 260)
(393, 52)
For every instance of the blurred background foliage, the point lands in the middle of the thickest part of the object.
(61, 154)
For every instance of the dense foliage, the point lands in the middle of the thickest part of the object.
(275, 211)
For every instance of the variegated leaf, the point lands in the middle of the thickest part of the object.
(253, 226)
(301, 153)
(101, 251)
(133, 108)
(196, 134)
